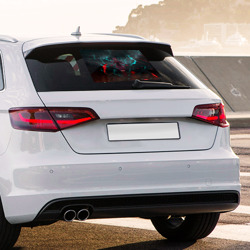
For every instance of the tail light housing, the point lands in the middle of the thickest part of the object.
(211, 113)
(49, 119)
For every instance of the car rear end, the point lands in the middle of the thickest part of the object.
(115, 128)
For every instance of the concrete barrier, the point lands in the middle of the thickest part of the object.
(190, 64)
(229, 77)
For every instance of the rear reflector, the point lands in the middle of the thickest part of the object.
(49, 119)
(211, 113)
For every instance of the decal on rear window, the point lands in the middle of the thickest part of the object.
(72, 61)
(118, 65)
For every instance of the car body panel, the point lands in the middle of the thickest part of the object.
(60, 173)
(39, 167)
(135, 107)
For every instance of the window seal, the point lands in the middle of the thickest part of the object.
(2, 71)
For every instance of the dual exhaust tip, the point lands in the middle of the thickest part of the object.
(81, 215)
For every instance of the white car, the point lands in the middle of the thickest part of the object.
(99, 126)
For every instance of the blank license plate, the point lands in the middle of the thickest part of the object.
(143, 131)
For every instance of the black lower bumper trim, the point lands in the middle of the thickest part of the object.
(144, 205)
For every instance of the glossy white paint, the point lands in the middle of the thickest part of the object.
(45, 168)
(134, 103)
(133, 106)
(37, 167)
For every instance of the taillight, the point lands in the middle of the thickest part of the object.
(211, 113)
(68, 117)
(49, 119)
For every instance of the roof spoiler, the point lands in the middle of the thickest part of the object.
(8, 39)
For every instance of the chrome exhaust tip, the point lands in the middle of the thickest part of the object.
(83, 214)
(69, 215)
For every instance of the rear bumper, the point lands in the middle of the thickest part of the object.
(147, 206)
(52, 172)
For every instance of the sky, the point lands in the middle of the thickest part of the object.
(61, 17)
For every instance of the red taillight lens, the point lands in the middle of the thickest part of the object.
(49, 119)
(34, 119)
(211, 113)
(68, 117)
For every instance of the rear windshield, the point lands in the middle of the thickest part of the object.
(81, 67)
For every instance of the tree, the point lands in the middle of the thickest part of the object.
(182, 19)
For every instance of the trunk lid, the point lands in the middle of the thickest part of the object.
(137, 121)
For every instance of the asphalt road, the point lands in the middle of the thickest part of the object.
(232, 231)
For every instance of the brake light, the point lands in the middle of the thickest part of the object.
(49, 119)
(211, 113)
(68, 117)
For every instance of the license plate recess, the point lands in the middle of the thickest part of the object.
(143, 131)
